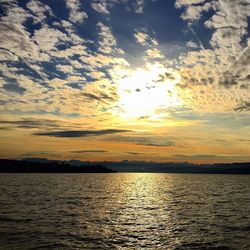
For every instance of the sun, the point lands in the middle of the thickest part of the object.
(145, 91)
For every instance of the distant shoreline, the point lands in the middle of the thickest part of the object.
(25, 166)
(47, 166)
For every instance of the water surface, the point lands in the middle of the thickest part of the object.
(124, 211)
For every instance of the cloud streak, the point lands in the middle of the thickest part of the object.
(89, 151)
(81, 133)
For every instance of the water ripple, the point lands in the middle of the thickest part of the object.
(124, 211)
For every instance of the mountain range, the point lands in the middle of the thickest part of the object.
(43, 165)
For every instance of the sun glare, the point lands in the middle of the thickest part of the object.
(145, 91)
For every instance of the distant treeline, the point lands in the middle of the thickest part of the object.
(23, 166)
(182, 167)
(36, 165)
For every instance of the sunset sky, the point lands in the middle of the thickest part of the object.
(152, 80)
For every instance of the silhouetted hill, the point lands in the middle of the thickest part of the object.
(24, 166)
(183, 167)
(43, 165)
(173, 167)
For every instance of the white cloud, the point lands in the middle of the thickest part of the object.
(193, 11)
(107, 41)
(143, 38)
(14, 12)
(6, 55)
(47, 38)
(65, 68)
(70, 51)
(183, 3)
(16, 40)
(76, 14)
(229, 20)
(217, 78)
(139, 6)
(39, 10)
(154, 54)
(101, 7)
(192, 44)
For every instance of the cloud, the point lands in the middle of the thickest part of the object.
(139, 6)
(107, 41)
(102, 97)
(164, 77)
(39, 10)
(104, 6)
(143, 38)
(15, 40)
(50, 60)
(14, 87)
(81, 133)
(164, 144)
(70, 51)
(47, 38)
(4, 128)
(153, 53)
(13, 12)
(213, 157)
(76, 15)
(193, 8)
(192, 44)
(101, 7)
(89, 151)
(134, 153)
(151, 141)
(36, 153)
(243, 107)
(7, 56)
(31, 123)
(65, 68)
(208, 69)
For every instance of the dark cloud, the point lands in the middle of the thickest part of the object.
(143, 117)
(189, 81)
(247, 77)
(204, 156)
(81, 133)
(75, 85)
(35, 153)
(4, 128)
(102, 97)
(245, 86)
(207, 80)
(146, 141)
(166, 76)
(89, 151)
(30, 123)
(14, 87)
(228, 120)
(163, 144)
(244, 107)
(228, 79)
(169, 76)
(3, 102)
(134, 153)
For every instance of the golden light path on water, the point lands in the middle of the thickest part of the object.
(143, 91)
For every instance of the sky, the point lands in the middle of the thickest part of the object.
(112, 80)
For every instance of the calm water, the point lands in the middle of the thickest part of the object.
(124, 211)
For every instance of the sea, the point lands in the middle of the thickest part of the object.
(124, 211)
